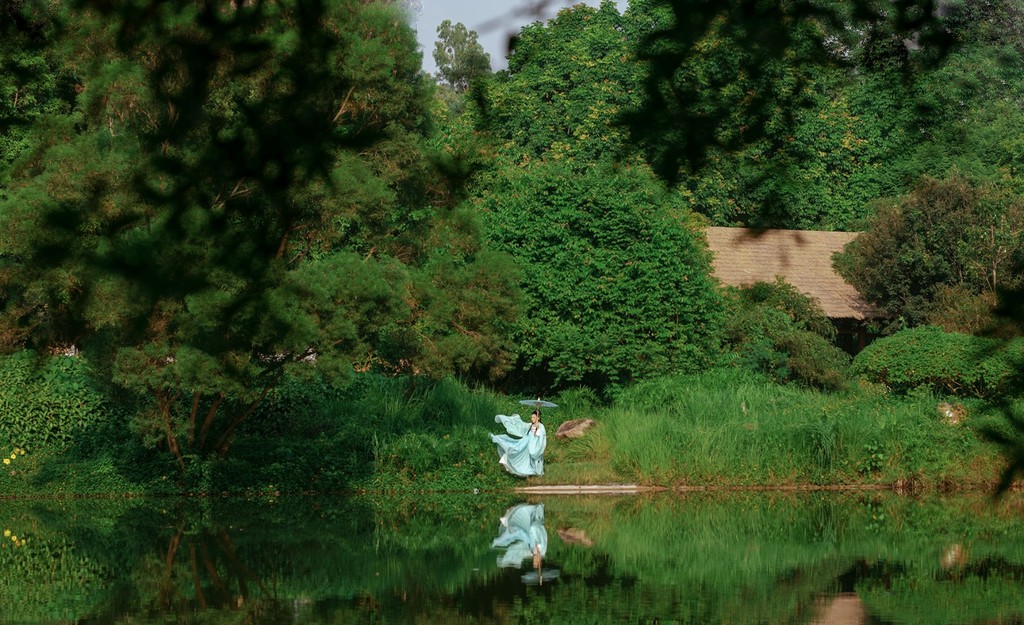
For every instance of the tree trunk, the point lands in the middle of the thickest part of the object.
(229, 434)
(164, 403)
(208, 421)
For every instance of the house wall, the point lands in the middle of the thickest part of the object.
(852, 335)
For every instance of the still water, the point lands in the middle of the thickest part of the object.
(483, 559)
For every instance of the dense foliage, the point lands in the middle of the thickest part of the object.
(616, 281)
(725, 75)
(240, 194)
(231, 208)
(947, 363)
(48, 401)
(773, 329)
(567, 81)
(614, 268)
(944, 238)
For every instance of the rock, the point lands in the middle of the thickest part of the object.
(574, 428)
(952, 414)
(574, 535)
(954, 556)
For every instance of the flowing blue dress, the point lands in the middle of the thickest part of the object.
(521, 451)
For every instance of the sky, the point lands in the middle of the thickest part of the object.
(493, 20)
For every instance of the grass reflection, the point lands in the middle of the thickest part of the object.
(736, 558)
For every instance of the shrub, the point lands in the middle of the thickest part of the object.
(47, 400)
(944, 362)
(615, 273)
(775, 330)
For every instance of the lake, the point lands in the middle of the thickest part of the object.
(866, 557)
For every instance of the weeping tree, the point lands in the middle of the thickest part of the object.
(241, 191)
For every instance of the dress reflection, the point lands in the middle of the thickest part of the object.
(523, 537)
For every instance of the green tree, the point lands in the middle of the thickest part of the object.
(722, 75)
(32, 83)
(566, 83)
(242, 192)
(614, 271)
(967, 109)
(459, 56)
(818, 171)
(943, 234)
(615, 274)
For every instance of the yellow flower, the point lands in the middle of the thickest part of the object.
(7, 461)
(14, 537)
(13, 456)
(7, 533)
(21, 452)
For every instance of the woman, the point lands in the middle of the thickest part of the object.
(522, 456)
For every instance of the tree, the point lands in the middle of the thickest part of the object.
(820, 170)
(721, 75)
(943, 234)
(243, 193)
(566, 83)
(967, 109)
(615, 274)
(613, 266)
(459, 56)
(32, 84)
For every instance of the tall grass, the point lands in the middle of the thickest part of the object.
(728, 427)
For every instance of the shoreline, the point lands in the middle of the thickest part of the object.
(898, 488)
(626, 489)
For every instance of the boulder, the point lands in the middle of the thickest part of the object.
(574, 428)
(953, 414)
(575, 535)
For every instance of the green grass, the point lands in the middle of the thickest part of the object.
(730, 428)
(723, 428)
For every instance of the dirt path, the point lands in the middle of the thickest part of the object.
(588, 489)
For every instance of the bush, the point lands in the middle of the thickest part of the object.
(615, 274)
(775, 330)
(45, 401)
(944, 362)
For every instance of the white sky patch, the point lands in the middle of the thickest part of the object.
(493, 20)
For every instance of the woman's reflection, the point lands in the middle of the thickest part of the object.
(523, 537)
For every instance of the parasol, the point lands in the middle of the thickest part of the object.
(537, 403)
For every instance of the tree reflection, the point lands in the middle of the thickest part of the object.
(201, 569)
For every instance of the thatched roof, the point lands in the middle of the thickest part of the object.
(803, 258)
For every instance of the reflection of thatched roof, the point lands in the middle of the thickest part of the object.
(803, 258)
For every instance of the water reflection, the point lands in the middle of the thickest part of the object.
(201, 569)
(524, 537)
(740, 558)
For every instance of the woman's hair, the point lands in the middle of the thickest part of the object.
(537, 412)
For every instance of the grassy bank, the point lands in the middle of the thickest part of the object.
(722, 428)
(730, 428)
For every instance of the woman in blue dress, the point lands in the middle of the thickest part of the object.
(521, 451)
